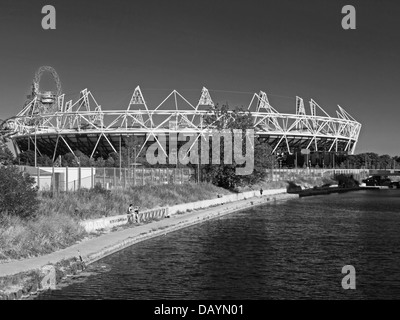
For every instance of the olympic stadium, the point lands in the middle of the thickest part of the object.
(53, 126)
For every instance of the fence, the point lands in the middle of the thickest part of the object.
(110, 178)
(71, 179)
(290, 174)
(74, 178)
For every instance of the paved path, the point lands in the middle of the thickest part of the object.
(99, 247)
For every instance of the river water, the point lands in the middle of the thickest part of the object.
(286, 250)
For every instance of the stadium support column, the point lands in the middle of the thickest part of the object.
(66, 178)
(38, 178)
(91, 178)
(198, 171)
(52, 180)
(35, 150)
(79, 175)
(272, 167)
(120, 157)
(134, 175)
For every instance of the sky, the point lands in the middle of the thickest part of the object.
(235, 48)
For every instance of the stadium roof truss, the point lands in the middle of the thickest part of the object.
(83, 123)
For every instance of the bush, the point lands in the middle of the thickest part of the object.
(18, 195)
(292, 187)
(98, 188)
(346, 181)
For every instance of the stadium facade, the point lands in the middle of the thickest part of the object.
(52, 126)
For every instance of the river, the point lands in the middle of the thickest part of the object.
(286, 250)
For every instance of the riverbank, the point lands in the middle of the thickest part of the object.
(56, 223)
(19, 279)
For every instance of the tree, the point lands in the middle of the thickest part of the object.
(81, 159)
(100, 162)
(373, 160)
(68, 160)
(6, 156)
(385, 161)
(44, 161)
(26, 158)
(92, 162)
(224, 175)
(110, 162)
(396, 161)
(18, 195)
(115, 157)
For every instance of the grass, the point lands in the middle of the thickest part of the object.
(56, 224)
(29, 238)
(91, 204)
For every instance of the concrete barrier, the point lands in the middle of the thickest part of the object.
(115, 221)
(104, 223)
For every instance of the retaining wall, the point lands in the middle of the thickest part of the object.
(158, 213)
(115, 221)
(224, 199)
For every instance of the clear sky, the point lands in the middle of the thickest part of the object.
(285, 48)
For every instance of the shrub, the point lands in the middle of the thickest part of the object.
(346, 181)
(327, 181)
(98, 188)
(18, 195)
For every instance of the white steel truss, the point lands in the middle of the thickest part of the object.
(284, 131)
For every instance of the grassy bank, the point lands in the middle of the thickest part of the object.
(21, 238)
(98, 202)
(56, 223)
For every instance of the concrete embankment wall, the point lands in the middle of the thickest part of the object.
(224, 199)
(158, 213)
(115, 221)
